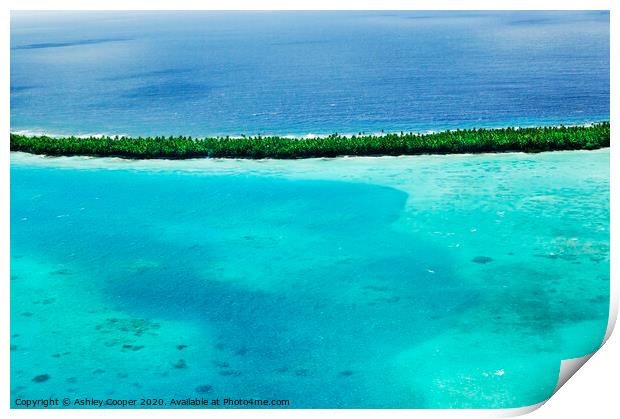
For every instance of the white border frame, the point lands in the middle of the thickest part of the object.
(612, 351)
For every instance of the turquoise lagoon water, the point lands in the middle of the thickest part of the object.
(426, 281)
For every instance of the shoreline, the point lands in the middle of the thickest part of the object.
(35, 132)
(467, 141)
(229, 165)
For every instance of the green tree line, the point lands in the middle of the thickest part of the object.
(535, 139)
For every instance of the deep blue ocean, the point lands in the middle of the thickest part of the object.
(200, 73)
(445, 281)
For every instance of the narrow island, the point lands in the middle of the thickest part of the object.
(537, 139)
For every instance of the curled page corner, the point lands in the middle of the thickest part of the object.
(518, 411)
(568, 367)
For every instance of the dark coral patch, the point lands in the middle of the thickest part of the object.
(135, 326)
(62, 271)
(132, 347)
(204, 389)
(180, 364)
(230, 373)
